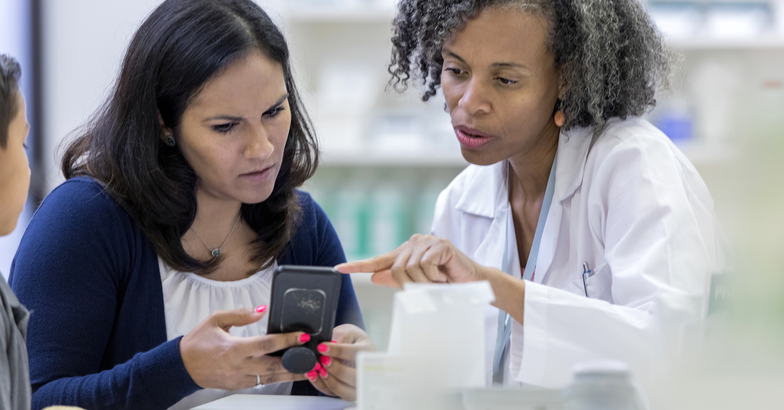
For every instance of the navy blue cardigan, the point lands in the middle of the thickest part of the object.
(97, 332)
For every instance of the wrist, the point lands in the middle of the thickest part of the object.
(487, 273)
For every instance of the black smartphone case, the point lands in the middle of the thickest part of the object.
(304, 298)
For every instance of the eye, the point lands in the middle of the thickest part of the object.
(272, 113)
(224, 128)
(454, 71)
(506, 81)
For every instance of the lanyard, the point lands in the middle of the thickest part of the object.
(504, 325)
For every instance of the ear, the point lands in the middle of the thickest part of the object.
(166, 132)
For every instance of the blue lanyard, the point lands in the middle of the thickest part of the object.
(504, 327)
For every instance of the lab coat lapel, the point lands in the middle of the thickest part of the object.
(486, 197)
(573, 149)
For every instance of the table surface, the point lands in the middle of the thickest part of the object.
(259, 402)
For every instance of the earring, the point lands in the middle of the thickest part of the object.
(560, 118)
(170, 141)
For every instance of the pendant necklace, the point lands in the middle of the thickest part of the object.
(217, 251)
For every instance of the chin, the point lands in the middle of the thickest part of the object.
(257, 197)
(476, 158)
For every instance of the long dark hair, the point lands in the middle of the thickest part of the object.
(177, 49)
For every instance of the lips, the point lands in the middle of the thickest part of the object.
(471, 138)
(259, 175)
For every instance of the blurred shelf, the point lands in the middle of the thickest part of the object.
(702, 43)
(699, 153)
(376, 157)
(704, 153)
(326, 14)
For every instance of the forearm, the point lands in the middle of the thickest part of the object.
(150, 380)
(509, 292)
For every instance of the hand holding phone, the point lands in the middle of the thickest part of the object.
(304, 298)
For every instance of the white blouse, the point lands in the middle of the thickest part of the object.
(188, 299)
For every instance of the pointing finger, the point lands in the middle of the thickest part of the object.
(376, 264)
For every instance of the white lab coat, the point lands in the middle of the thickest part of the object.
(634, 208)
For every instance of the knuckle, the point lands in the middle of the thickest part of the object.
(272, 366)
(266, 345)
(398, 267)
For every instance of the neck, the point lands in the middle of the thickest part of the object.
(530, 170)
(214, 217)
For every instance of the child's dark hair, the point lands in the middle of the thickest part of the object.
(9, 90)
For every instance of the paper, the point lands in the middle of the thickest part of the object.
(436, 349)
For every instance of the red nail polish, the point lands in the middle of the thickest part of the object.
(304, 338)
(323, 373)
(261, 308)
(317, 367)
(312, 375)
(322, 348)
(312, 379)
(326, 360)
(334, 341)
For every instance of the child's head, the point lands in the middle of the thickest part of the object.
(14, 168)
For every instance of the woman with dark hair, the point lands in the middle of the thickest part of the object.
(588, 223)
(143, 267)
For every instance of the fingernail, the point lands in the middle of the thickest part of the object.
(261, 308)
(312, 375)
(334, 341)
(326, 360)
(317, 367)
(304, 338)
(323, 373)
(322, 348)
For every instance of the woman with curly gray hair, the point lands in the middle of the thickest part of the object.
(587, 221)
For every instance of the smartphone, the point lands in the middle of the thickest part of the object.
(304, 299)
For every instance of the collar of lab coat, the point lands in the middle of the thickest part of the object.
(486, 194)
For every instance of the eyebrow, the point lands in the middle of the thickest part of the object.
(234, 118)
(497, 65)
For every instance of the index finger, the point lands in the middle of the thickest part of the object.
(338, 350)
(261, 345)
(376, 264)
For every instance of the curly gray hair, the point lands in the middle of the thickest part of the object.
(610, 55)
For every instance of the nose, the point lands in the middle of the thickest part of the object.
(258, 144)
(475, 99)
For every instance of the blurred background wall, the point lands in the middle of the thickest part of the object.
(386, 156)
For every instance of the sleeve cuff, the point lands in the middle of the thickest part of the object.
(164, 374)
(529, 341)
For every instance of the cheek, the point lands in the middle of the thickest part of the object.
(451, 93)
(280, 134)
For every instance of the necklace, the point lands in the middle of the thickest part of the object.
(217, 251)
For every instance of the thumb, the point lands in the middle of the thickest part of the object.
(226, 319)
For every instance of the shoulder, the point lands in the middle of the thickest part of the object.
(315, 238)
(634, 134)
(77, 215)
(310, 213)
(81, 198)
(635, 145)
